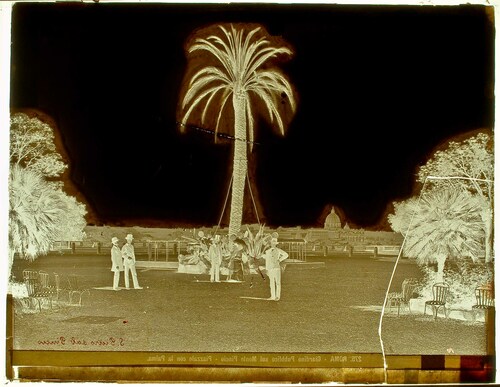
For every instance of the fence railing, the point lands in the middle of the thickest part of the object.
(169, 250)
(295, 249)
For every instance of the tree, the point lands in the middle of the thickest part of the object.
(71, 227)
(35, 211)
(443, 224)
(404, 212)
(32, 146)
(40, 212)
(466, 165)
(238, 72)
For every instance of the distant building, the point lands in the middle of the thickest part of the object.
(333, 233)
(332, 221)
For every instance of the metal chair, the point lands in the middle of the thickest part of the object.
(484, 298)
(407, 289)
(37, 293)
(75, 289)
(46, 284)
(439, 294)
(60, 287)
(30, 274)
(45, 280)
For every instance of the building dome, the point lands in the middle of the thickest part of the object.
(332, 221)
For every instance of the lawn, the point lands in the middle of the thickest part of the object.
(333, 308)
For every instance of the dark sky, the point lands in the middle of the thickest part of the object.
(379, 88)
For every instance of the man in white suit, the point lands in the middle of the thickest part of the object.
(215, 258)
(116, 262)
(128, 254)
(274, 256)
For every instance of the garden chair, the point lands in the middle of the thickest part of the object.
(407, 289)
(31, 274)
(45, 280)
(485, 299)
(38, 293)
(45, 283)
(75, 289)
(439, 294)
(61, 287)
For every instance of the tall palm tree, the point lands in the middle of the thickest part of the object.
(446, 224)
(238, 73)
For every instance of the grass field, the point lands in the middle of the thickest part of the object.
(334, 308)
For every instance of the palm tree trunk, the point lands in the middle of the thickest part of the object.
(488, 237)
(11, 262)
(239, 164)
(440, 271)
(487, 218)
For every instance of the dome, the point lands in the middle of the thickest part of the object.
(332, 221)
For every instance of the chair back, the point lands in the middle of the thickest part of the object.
(32, 286)
(57, 281)
(73, 282)
(440, 292)
(484, 296)
(408, 288)
(30, 274)
(44, 279)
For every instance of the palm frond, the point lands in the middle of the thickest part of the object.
(213, 71)
(268, 97)
(226, 95)
(199, 86)
(200, 98)
(221, 55)
(240, 56)
(207, 104)
(36, 212)
(446, 223)
(263, 55)
(273, 81)
(248, 50)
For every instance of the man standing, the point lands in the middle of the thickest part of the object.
(128, 254)
(215, 258)
(236, 260)
(274, 256)
(116, 262)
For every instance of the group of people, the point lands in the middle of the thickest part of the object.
(215, 255)
(123, 260)
(236, 258)
(273, 257)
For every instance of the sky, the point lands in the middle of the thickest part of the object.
(379, 87)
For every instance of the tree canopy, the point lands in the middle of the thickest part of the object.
(468, 164)
(452, 217)
(40, 211)
(32, 146)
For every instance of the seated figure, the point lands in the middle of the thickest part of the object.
(192, 263)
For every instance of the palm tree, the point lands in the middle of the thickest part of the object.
(446, 224)
(36, 211)
(238, 73)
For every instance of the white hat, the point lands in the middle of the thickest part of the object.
(114, 240)
(129, 237)
(274, 240)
